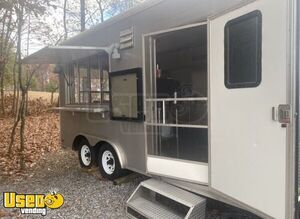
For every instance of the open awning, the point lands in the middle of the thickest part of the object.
(62, 54)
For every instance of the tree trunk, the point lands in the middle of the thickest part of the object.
(101, 10)
(57, 101)
(2, 57)
(28, 35)
(22, 129)
(21, 114)
(51, 101)
(15, 104)
(2, 93)
(17, 99)
(52, 95)
(4, 51)
(65, 21)
(13, 132)
(26, 101)
(82, 15)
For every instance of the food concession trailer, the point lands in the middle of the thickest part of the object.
(201, 95)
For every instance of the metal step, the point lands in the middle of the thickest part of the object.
(157, 199)
(152, 209)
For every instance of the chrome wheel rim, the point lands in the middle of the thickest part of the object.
(85, 154)
(108, 162)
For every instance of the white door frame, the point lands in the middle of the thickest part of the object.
(164, 166)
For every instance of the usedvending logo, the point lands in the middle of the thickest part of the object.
(33, 203)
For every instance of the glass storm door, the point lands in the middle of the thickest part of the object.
(176, 104)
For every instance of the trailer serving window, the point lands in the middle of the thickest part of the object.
(89, 80)
(81, 82)
(243, 51)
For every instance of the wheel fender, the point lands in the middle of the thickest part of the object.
(93, 140)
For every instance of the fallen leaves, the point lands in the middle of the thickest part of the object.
(7, 214)
(41, 136)
(34, 106)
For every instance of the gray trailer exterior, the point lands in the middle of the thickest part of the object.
(146, 18)
(128, 138)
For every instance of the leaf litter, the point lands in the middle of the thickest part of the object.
(42, 135)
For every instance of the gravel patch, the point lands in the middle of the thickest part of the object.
(86, 193)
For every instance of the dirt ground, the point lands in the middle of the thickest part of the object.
(86, 193)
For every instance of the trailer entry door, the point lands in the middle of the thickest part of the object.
(176, 104)
(248, 77)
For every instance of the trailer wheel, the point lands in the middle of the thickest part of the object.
(109, 164)
(86, 154)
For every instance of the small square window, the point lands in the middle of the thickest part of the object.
(243, 36)
(126, 92)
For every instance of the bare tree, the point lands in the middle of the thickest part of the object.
(6, 43)
(82, 15)
(92, 12)
(52, 95)
(14, 107)
(35, 7)
(101, 9)
(65, 20)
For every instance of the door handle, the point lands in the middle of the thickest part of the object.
(282, 113)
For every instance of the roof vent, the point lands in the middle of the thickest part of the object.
(126, 38)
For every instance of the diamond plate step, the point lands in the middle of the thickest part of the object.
(152, 210)
(175, 193)
(157, 199)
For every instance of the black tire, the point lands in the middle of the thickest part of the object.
(85, 153)
(112, 173)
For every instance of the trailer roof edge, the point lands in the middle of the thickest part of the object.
(62, 54)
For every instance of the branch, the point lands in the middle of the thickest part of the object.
(28, 82)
